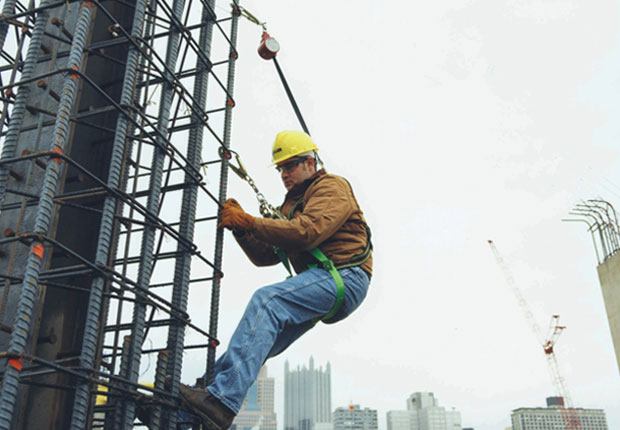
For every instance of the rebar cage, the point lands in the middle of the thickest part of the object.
(111, 165)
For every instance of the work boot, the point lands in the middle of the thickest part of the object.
(209, 409)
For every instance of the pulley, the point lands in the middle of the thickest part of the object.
(269, 47)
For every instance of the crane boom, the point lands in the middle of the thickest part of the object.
(523, 304)
(569, 415)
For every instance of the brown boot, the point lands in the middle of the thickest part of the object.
(211, 411)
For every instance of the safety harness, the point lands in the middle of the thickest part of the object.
(326, 263)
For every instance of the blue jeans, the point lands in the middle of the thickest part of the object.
(276, 316)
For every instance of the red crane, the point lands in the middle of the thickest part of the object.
(571, 419)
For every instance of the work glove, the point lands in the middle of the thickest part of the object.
(233, 217)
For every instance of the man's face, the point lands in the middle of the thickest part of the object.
(296, 171)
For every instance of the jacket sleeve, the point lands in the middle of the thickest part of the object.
(259, 252)
(327, 208)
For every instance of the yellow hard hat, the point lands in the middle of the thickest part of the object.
(289, 144)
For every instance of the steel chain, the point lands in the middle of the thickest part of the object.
(265, 208)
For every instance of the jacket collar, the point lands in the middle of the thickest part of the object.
(298, 190)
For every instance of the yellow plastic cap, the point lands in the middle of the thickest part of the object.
(289, 144)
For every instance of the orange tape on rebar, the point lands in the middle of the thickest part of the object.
(16, 363)
(59, 151)
(74, 75)
(38, 250)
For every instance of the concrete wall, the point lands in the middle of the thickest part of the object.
(609, 276)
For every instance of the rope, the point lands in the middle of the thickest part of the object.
(290, 96)
(263, 24)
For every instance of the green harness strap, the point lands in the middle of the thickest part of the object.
(326, 264)
(331, 268)
(284, 260)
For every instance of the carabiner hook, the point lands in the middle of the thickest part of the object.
(239, 169)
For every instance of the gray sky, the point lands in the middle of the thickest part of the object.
(457, 122)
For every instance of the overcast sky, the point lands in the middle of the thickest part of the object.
(456, 121)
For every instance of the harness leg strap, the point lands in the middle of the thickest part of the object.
(328, 265)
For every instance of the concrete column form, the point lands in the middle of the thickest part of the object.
(44, 216)
(609, 277)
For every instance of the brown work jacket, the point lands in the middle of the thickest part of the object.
(323, 213)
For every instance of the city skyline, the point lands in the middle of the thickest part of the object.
(421, 406)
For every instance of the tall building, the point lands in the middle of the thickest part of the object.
(402, 420)
(307, 396)
(420, 400)
(424, 413)
(555, 417)
(257, 411)
(355, 418)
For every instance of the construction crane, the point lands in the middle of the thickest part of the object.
(571, 420)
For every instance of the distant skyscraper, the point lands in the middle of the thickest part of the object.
(257, 411)
(402, 420)
(307, 396)
(554, 417)
(355, 418)
(424, 413)
(420, 400)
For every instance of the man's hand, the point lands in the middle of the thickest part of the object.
(232, 203)
(233, 217)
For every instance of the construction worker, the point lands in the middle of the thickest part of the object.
(321, 214)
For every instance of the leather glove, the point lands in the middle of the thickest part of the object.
(231, 203)
(233, 217)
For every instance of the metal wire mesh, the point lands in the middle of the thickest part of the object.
(112, 116)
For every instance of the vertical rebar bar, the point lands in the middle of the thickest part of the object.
(19, 109)
(16, 66)
(219, 238)
(44, 217)
(117, 416)
(7, 9)
(176, 333)
(145, 268)
(119, 149)
(160, 382)
(148, 28)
